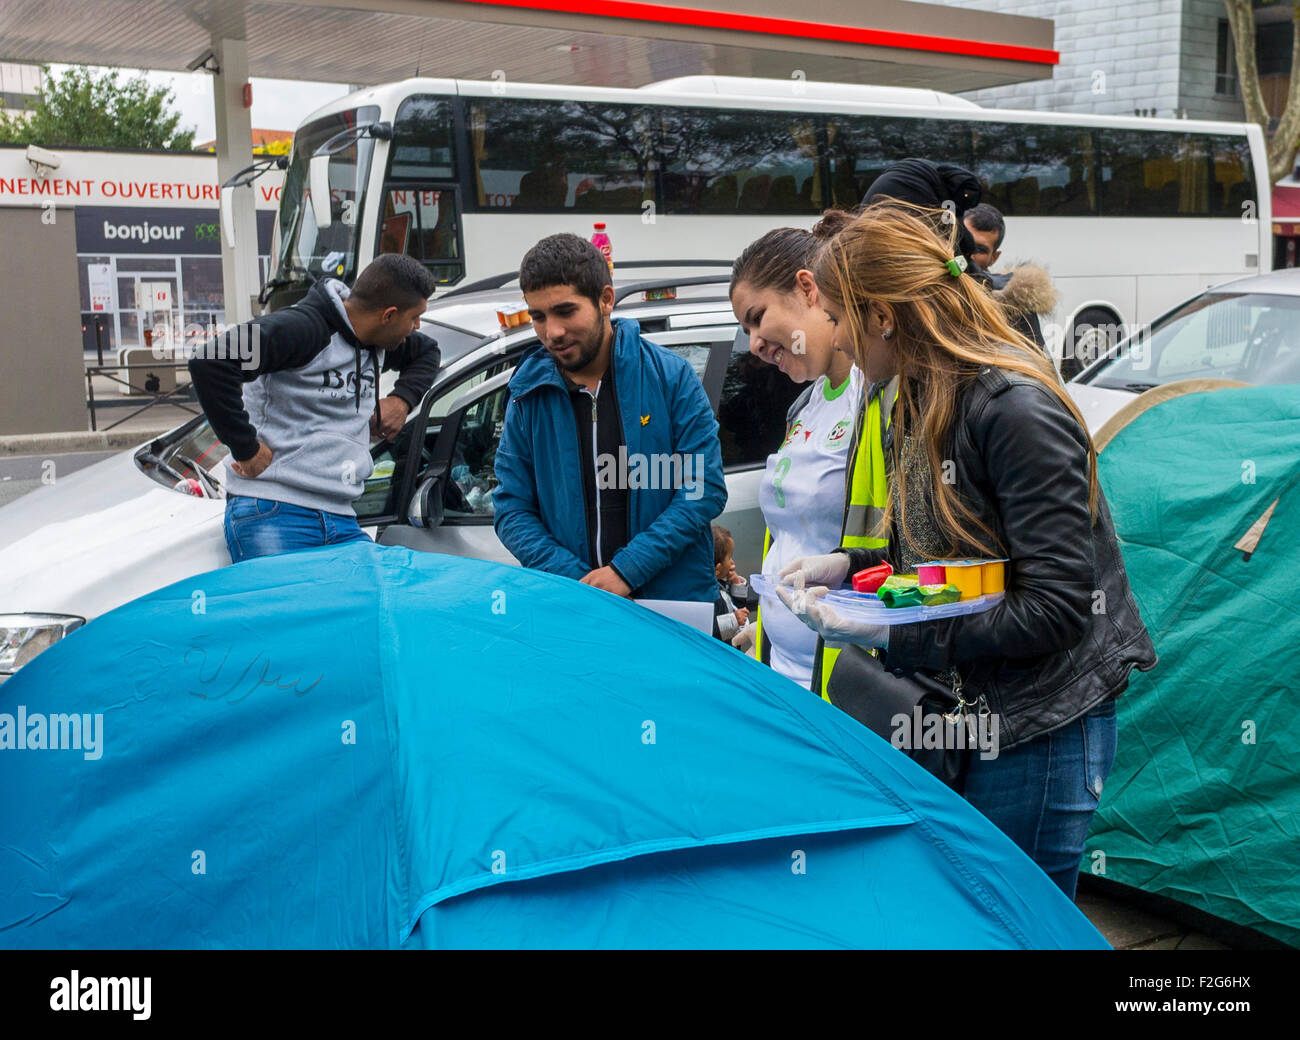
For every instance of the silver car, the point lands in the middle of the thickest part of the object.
(153, 516)
(1244, 331)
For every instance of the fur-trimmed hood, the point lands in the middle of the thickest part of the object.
(1028, 288)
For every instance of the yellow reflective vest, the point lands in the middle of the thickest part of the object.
(866, 488)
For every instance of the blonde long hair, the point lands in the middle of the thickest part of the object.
(946, 329)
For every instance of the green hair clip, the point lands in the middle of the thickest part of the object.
(956, 266)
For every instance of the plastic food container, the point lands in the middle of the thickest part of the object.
(931, 574)
(973, 578)
(993, 577)
(966, 575)
(513, 316)
(866, 606)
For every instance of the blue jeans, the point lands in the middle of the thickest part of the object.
(262, 527)
(1042, 794)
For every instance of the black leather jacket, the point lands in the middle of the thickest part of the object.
(1068, 633)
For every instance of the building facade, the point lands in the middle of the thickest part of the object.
(148, 237)
(19, 85)
(1167, 58)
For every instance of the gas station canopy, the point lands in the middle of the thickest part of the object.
(613, 43)
(609, 43)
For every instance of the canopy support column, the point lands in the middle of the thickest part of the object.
(234, 122)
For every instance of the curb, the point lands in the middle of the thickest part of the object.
(75, 440)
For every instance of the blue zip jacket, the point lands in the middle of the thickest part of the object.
(540, 513)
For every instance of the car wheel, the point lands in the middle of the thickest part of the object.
(1095, 332)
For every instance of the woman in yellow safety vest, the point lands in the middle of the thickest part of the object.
(818, 484)
(988, 458)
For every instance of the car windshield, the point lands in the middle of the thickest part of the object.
(306, 251)
(1246, 337)
(453, 342)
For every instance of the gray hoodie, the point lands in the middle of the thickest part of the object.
(309, 397)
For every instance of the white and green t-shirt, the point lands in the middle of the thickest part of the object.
(802, 498)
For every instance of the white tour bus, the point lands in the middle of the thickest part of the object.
(1129, 215)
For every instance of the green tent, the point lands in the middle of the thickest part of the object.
(1203, 803)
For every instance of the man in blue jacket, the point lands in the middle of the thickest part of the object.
(609, 468)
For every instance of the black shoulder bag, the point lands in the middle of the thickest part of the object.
(886, 704)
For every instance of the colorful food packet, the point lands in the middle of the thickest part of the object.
(900, 581)
(903, 590)
(871, 578)
(936, 595)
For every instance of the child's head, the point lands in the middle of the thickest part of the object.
(723, 546)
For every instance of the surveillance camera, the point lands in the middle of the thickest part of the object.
(205, 62)
(40, 157)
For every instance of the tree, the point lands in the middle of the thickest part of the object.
(280, 147)
(1284, 143)
(88, 110)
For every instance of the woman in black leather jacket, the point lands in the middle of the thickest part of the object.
(987, 457)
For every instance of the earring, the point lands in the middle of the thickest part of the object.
(887, 334)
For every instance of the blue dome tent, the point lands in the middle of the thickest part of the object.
(368, 747)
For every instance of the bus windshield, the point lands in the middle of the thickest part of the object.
(306, 251)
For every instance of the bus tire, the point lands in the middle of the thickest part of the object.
(1095, 331)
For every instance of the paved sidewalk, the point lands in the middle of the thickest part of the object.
(21, 474)
(112, 408)
(128, 435)
(1127, 927)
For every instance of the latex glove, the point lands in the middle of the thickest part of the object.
(744, 639)
(830, 570)
(837, 630)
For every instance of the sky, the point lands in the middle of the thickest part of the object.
(278, 104)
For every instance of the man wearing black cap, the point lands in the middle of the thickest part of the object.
(956, 190)
(933, 185)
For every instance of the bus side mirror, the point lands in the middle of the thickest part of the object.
(425, 509)
(228, 215)
(318, 179)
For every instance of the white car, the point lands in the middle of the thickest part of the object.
(1244, 331)
(153, 515)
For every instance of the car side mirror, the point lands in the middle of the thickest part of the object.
(425, 509)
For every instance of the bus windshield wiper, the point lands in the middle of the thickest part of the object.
(382, 131)
(1135, 388)
(280, 283)
(250, 173)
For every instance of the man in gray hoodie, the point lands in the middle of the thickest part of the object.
(297, 409)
